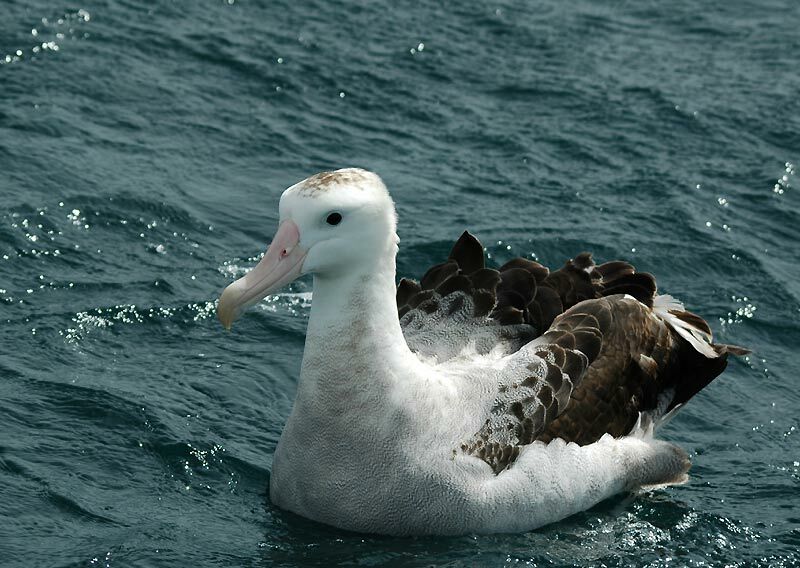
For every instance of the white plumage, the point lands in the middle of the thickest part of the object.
(386, 429)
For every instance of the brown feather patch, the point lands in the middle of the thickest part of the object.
(593, 369)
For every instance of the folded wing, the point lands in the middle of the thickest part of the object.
(583, 351)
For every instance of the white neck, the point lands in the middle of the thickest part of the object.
(357, 301)
(354, 337)
(355, 365)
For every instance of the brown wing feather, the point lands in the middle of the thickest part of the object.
(523, 409)
(521, 293)
(503, 296)
(607, 355)
(643, 366)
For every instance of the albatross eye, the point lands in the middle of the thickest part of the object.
(334, 218)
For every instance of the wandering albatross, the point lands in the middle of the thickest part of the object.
(478, 400)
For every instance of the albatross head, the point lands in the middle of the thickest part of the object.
(329, 223)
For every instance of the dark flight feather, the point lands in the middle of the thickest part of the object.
(608, 358)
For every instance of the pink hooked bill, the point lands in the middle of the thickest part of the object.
(281, 264)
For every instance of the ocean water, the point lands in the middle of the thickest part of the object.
(143, 148)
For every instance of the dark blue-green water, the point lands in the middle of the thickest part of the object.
(143, 148)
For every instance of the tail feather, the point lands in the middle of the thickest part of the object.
(641, 381)
(685, 324)
(651, 362)
(698, 360)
